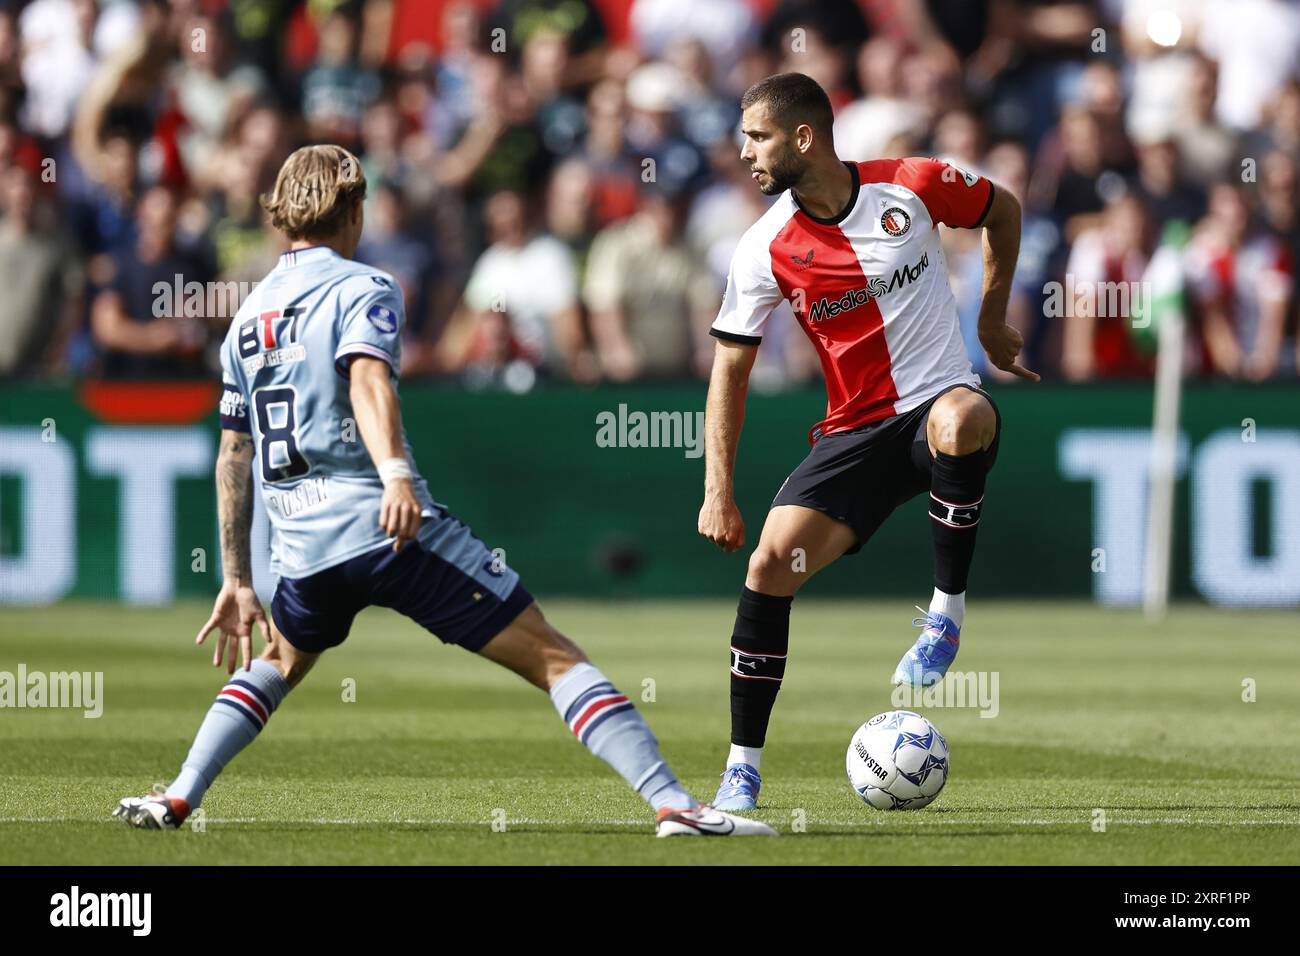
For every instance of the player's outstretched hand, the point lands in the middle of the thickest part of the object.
(721, 523)
(399, 512)
(1003, 344)
(236, 609)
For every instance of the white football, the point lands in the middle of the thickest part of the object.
(897, 760)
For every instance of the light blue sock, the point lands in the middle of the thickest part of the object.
(609, 726)
(239, 713)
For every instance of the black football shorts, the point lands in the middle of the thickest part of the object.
(860, 476)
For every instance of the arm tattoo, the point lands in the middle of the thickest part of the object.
(235, 504)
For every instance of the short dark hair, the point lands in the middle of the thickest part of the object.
(792, 99)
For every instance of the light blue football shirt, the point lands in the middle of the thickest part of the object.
(284, 368)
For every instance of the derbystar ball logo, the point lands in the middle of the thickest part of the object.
(876, 287)
(869, 760)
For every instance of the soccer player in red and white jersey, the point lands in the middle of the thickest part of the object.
(854, 248)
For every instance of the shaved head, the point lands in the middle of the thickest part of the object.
(793, 100)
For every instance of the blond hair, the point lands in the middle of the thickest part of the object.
(315, 191)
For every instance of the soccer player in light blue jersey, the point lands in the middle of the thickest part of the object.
(314, 349)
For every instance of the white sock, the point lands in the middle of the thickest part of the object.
(750, 755)
(950, 605)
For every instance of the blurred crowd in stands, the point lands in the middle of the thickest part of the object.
(557, 188)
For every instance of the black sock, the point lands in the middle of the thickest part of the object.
(758, 647)
(956, 498)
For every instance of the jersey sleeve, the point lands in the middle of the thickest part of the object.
(751, 295)
(233, 410)
(952, 196)
(371, 324)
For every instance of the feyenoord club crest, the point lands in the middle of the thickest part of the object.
(895, 220)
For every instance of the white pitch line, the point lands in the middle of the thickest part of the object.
(524, 821)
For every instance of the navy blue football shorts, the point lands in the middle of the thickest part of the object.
(860, 476)
(447, 581)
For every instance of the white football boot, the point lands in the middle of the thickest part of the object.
(706, 821)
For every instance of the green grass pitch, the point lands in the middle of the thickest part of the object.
(1097, 711)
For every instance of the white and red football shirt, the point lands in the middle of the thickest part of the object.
(869, 287)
